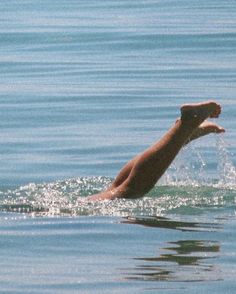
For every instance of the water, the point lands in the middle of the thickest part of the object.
(86, 85)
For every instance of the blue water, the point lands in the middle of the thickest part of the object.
(84, 86)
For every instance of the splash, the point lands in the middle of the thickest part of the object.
(226, 168)
(184, 189)
(190, 168)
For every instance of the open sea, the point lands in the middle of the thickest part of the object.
(84, 87)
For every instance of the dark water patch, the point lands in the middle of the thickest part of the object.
(166, 223)
(189, 262)
(183, 260)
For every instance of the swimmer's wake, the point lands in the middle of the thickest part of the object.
(183, 189)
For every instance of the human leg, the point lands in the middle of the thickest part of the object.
(207, 127)
(203, 129)
(141, 173)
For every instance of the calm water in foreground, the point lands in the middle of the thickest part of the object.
(84, 86)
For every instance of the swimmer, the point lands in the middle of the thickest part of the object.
(141, 173)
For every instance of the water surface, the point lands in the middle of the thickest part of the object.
(84, 86)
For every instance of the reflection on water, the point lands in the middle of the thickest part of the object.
(182, 260)
(163, 222)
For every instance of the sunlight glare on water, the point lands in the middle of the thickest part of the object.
(84, 87)
(181, 188)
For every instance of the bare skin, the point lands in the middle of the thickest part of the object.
(206, 128)
(141, 173)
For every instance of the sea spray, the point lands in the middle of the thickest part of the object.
(182, 190)
(188, 169)
(226, 168)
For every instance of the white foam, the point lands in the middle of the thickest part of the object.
(184, 188)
